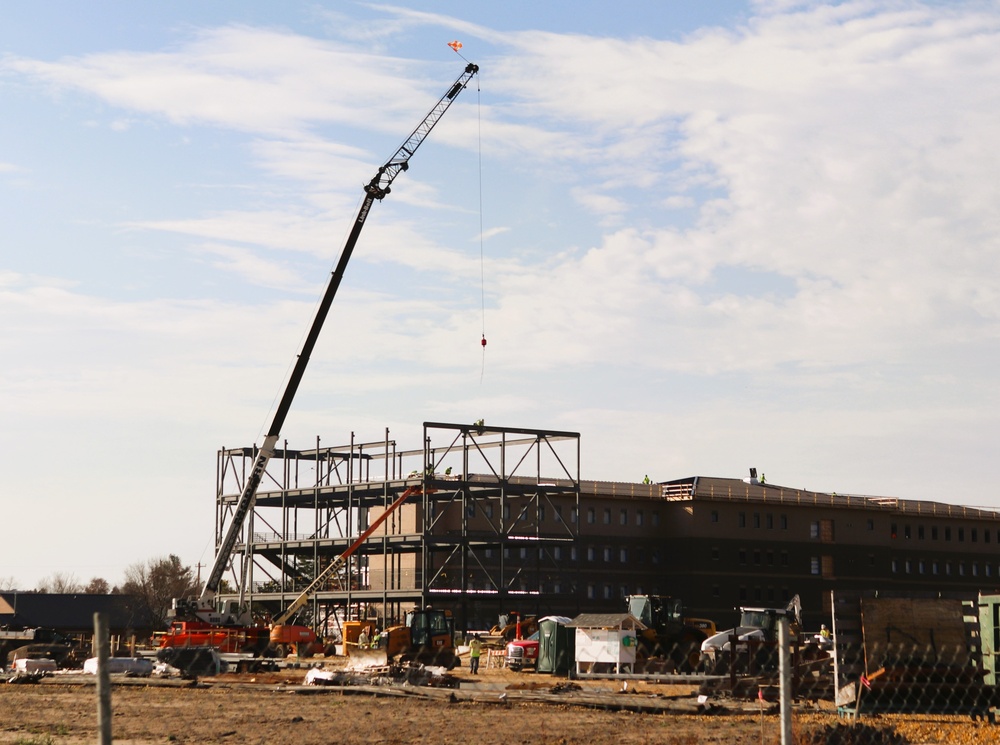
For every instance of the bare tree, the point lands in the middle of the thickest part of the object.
(59, 583)
(155, 583)
(97, 586)
(7, 584)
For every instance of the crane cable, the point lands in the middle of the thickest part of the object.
(482, 253)
(456, 47)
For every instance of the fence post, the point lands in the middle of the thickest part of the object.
(785, 663)
(103, 679)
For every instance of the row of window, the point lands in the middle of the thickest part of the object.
(607, 554)
(638, 516)
(757, 520)
(922, 532)
(947, 568)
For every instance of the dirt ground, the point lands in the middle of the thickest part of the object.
(498, 707)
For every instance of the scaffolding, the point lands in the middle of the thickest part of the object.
(472, 539)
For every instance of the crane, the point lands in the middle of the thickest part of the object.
(204, 606)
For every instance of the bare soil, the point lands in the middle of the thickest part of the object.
(498, 707)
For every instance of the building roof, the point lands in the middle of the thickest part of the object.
(72, 613)
(605, 621)
(746, 490)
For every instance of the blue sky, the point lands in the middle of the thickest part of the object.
(707, 236)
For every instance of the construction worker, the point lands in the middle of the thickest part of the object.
(363, 638)
(646, 480)
(824, 631)
(475, 650)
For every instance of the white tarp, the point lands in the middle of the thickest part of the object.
(26, 665)
(121, 665)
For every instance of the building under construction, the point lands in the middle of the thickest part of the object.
(497, 519)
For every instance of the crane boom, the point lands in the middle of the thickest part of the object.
(376, 189)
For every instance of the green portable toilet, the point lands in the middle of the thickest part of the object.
(555, 645)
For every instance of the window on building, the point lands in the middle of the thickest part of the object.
(770, 593)
(974, 535)
(607, 554)
(947, 533)
(826, 530)
(506, 512)
(623, 591)
(591, 553)
(921, 567)
(623, 555)
(743, 556)
(489, 511)
(784, 558)
(892, 530)
(655, 556)
(506, 552)
(947, 568)
(975, 569)
(716, 592)
(557, 553)
(770, 521)
(541, 513)
(524, 553)
(742, 519)
(986, 535)
(607, 592)
(934, 533)
(572, 553)
(757, 595)
(988, 569)
(572, 515)
(591, 516)
(715, 553)
(920, 532)
(715, 516)
(961, 534)
(557, 587)
(935, 567)
(638, 518)
(559, 515)
(656, 519)
(770, 558)
(871, 524)
(906, 532)
(827, 567)
(743, 593)
(784, 522)
(814, 529)
(607, 516)
(814, 565)
(895, 566)
(871, 560)
(756, 519)
(470, 509)
(961, 569)
(591, 591)
(908, 566)
(756, 557)
(488, 553)
(623, 517)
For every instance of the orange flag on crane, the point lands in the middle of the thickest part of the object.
(456, 45)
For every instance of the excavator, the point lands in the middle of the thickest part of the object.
(198, 620)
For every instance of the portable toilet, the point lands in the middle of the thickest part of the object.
(555, 645)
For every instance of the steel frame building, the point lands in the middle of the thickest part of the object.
(477, 494)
